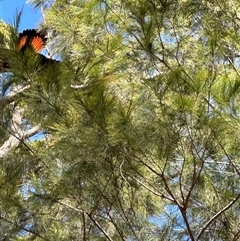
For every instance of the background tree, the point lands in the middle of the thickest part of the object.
(137, 126)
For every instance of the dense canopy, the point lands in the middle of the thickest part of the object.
(133, 134)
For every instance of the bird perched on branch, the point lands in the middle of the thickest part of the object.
(33, 41)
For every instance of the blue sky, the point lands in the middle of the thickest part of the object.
(30, 16)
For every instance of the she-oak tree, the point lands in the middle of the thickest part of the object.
(138, 126)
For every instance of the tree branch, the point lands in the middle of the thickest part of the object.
(18, 135)
(11, 96)
(217, 215)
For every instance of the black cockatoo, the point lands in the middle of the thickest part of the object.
(30, 40)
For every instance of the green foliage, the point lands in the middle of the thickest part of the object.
(140, 124)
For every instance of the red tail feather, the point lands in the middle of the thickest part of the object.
(22, 42)
(33, 39)
(37, 44)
